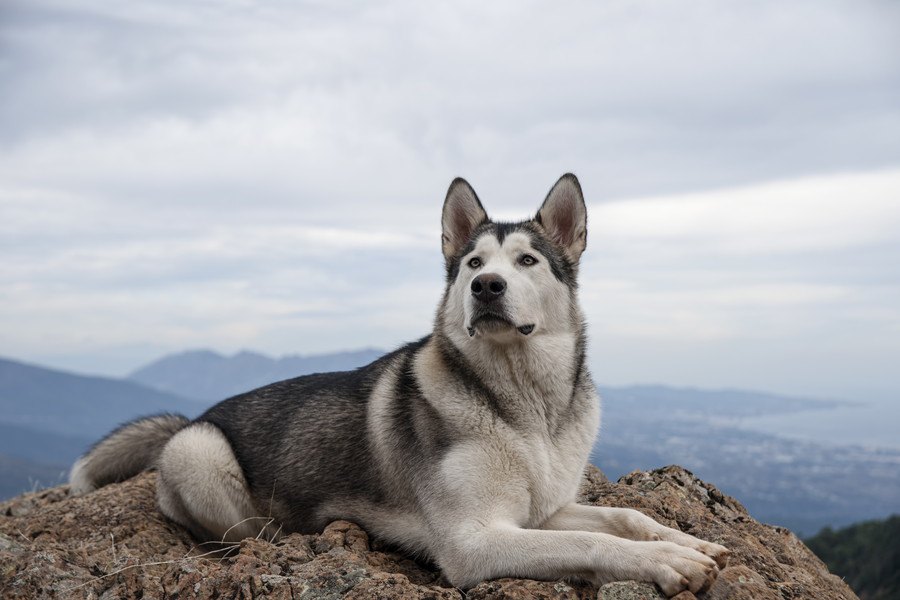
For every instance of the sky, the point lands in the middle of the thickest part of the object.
(269, 176)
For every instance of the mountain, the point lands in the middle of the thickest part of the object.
(48, 400)
(208, 375)
(18, 475)
(42, 447)
(31, 459)
(48, 418)
(866, 555)
(721, 405)
(54, 545)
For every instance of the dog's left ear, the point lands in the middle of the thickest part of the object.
(564, 216)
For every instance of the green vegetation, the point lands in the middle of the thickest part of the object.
(866, 555)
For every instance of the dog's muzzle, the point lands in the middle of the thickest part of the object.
(488, 289)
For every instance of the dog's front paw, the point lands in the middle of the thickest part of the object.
(717, 552)
(676, 568)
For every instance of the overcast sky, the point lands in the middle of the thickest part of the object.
(269, 176)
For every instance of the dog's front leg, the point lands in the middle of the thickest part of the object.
(476, 507)
(630, 524)
(481, 551)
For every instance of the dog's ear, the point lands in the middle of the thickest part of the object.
(462, 214)
(564, 217)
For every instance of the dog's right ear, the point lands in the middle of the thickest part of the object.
(462, 214)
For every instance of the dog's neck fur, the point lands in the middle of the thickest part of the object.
(536, 374)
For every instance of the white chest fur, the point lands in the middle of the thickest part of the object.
(556, 466)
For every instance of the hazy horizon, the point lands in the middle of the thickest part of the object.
(867, 421)
(81, 365)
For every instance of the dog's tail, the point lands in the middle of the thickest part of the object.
(125, 452)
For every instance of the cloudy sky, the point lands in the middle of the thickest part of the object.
(269, 176)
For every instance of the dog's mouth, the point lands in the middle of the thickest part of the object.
(493, 321)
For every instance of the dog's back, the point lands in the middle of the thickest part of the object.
(304, 443)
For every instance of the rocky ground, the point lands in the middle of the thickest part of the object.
(115, 544)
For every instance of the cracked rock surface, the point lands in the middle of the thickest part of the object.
(115, 544)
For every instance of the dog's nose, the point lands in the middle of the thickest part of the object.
(488, 287)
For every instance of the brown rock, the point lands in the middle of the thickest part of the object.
(515, 589)
(630, 590)
(674, 497)
(740, 583)
(115, 544)
(395, 585)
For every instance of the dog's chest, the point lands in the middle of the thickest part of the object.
(556, 468)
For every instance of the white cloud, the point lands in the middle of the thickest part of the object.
(305, 102)
(812, 214)
(270, 175)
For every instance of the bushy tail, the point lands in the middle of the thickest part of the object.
(128, 450)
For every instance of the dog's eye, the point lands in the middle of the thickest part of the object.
(528, 260)
(475, 262)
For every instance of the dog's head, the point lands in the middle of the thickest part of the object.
(509, 282)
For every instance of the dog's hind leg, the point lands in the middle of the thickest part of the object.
(202, 487)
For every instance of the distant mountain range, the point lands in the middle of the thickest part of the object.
(48, 417)
(207, 375)
(43, 399)
(17, 476)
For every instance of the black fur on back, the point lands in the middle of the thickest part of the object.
(305, 440)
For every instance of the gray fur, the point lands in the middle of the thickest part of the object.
(124, 453)
(466, 447)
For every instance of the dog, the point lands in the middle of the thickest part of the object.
(466, 447)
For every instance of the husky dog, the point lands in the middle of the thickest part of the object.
(466, 447)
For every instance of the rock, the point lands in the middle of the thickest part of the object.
(515, 589)
(115, 544)
(740, 583)
(631, 590)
